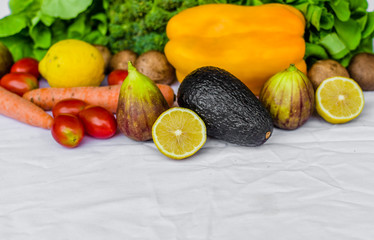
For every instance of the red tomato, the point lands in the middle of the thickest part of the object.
(117, 76)
(98, 122)
(19, 83)
(68, 106)
(26, 65)
(67, 130)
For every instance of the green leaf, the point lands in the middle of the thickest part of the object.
(349, 32)
(77, 28)
(341, 9)
(369, 27)
(46, 19)
(41, 35)
(314, 37)
(19, 45)
(345, 60)
(334, 45)
(95, 37)
(39, 53)
(366, 45)
(315, 50)
(59, 31)
(313, 16)
(103, 24)
(64, 9)
(17, 6)
(327, 20)
(13, 24)
(358, 5)
(303, 7)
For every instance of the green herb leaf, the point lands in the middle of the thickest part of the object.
(64, 9)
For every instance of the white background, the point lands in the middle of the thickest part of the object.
(316, 182)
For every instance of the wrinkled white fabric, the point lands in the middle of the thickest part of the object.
(316, 182)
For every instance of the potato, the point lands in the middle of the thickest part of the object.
(361, 69)
(326, 68)
(107, 55)
(154, 65)
(120, 60)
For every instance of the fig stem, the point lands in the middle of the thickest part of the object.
(292, 67)
(130, 67)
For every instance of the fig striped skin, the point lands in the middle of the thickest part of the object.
(140, 103)
(289, 97)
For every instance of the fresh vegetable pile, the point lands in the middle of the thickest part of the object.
(222, 57)
(335, 29)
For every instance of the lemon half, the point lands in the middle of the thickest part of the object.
(179, 133)
(339, 99)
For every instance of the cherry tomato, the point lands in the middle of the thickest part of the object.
(117, 76)
(67, 130)
(71, 106)
(98, 122)
(19, 83)
(26, 65)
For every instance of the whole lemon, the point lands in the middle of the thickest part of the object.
(72, 63)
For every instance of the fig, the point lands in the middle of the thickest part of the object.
(289, 97)
(6, 60)
(140, 103)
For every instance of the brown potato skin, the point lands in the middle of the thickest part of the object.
(155, 65)
(107, 55)
(120, 60)
(325, 68)
(361, 69)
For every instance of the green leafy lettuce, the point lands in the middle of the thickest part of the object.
(34, 25)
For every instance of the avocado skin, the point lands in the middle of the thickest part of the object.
(230, 110)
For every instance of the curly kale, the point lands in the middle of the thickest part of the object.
(140, 25)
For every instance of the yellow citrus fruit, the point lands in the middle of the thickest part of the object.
(72, 63)
(339, 99)
(179, 133)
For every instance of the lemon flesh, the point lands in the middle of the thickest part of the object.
(179, 133)
(339, 100)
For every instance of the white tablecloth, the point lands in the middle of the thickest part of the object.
(316, 182)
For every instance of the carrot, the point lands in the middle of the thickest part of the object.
(104, 96)
(18, 108)
(168, 93)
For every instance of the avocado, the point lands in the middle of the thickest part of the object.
(230, 110)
